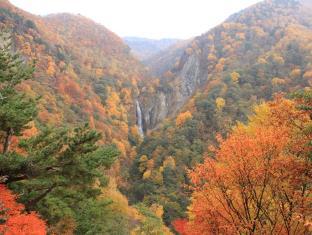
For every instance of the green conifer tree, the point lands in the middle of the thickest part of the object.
(16, 111)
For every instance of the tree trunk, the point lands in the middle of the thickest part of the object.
(7, 140)
(9, 179)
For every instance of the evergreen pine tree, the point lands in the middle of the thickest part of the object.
(16, 111)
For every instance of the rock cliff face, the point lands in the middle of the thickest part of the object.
(173, 94)
(154, 109)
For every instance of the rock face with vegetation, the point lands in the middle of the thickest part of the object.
(266, 45)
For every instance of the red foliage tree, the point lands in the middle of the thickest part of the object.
(13, 219)
(258, 183)
(180, 226)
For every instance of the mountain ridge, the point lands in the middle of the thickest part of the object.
(188, 65)
(144, 48)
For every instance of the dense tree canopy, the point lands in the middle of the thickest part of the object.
(259, 179)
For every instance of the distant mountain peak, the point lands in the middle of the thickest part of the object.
(145, 48)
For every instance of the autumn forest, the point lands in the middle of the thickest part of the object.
(103, 135)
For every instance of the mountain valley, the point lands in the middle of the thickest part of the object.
(163, 113)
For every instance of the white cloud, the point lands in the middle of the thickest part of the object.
(145, 18)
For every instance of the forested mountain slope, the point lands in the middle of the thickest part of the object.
(222, 74)
(84, 72)
(269, 40)
(164, 60)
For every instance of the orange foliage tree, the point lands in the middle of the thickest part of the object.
(183, 117)
(13, 220)
(258, 181)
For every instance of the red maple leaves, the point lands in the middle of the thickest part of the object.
(13, 219)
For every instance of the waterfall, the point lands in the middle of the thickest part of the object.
(139, 118)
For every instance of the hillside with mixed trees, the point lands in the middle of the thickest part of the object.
(84, 73)
(226, 120)
(164, 60)
(255, 54)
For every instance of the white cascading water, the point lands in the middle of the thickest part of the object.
(139, 118)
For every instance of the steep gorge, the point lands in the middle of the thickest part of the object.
(259, 32)
(254, 55)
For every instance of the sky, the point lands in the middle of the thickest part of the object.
(154, 19)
